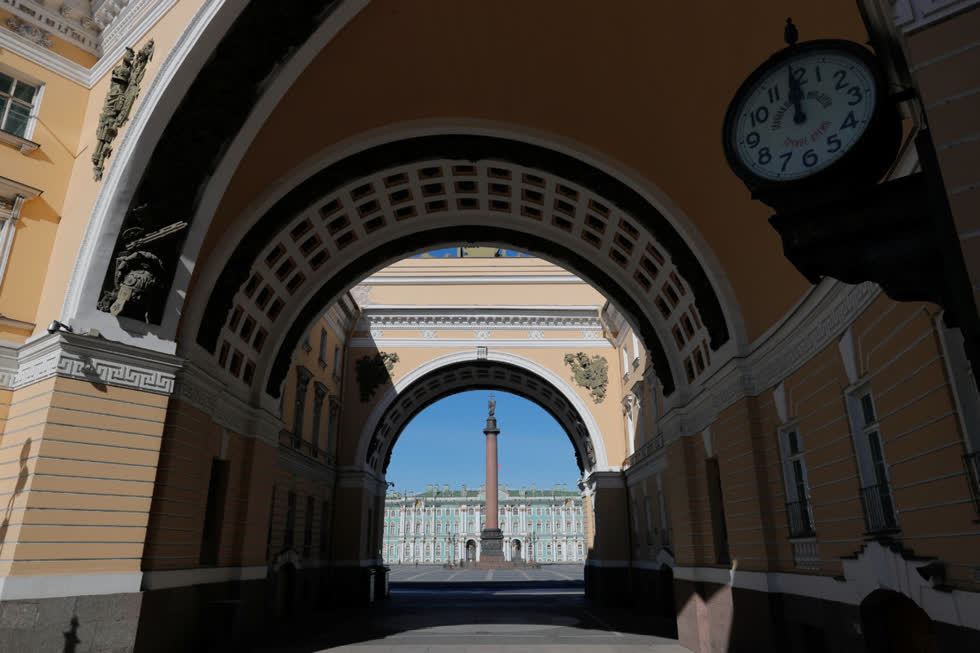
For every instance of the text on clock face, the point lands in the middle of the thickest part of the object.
(803, 115)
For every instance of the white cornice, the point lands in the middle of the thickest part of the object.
(515, 318)
(10, 188)
(204, 391)
(88, 358)
(470, 343)
(133, 24)
(812, 325)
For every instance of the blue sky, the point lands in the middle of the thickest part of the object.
(445, 444)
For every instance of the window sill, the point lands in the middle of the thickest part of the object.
(803, 539)
(24, 145)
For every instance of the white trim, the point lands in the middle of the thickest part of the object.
(8, 227)
(166, 579)
(877, 567)
(366, 342)
(14, 588)
(45, 58)
(381, 280)
(532, 366)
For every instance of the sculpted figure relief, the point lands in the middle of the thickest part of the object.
(124, 88)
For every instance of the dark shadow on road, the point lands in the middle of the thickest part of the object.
(525, 613)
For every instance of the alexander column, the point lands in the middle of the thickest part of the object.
(492, 538)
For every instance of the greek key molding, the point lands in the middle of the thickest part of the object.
(88, 358)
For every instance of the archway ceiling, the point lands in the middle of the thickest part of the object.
(640, 87)
(477, 375)
(643, 84)
(346, 220)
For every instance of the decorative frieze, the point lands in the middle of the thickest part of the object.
(584, 318)
(31, 32)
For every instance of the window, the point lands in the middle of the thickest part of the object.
(214, 512)
(719, 527)
(303, 377)
(319, 392)
(636, 349)
(287, 540)
(799, 510)
(18, 104)
(626, 364)
(879, 507)
(332, 425)
(322, 357)
(308, 528)
(336, 362)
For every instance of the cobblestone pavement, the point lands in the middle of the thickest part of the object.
(435, 610)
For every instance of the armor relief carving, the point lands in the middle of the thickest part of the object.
(124, 88)
(373, 371)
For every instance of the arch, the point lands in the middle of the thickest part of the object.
(187, 83)
(894, 623)
(514, 364)
(683, 328)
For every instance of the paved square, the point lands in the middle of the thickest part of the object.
(439, 574)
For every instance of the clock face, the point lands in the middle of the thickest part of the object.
(803, 114)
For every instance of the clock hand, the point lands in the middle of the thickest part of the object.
(796, 97)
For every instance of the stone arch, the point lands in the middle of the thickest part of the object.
(382, 203)
(894, 623)
(464, 370)
(168, 108)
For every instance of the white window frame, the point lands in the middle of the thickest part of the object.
(636, 349)
(860, 437)
(626, 363)
(788, 457)
(35, 103)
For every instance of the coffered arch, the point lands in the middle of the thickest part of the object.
(371, 208)
(462, 371)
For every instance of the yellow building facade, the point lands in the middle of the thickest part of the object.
(208, 346)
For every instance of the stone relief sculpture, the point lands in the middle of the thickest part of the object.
(591, 373)
(30, 32)
(373, 371)
(138, 276)
(124, 88)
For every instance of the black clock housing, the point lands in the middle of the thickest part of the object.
(861, 166)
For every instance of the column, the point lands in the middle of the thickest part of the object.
(491, 538)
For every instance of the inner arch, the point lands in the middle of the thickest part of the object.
(462, 371)
(366, 212)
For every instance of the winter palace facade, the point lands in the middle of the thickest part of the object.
(441, 525)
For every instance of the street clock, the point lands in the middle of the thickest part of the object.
(814, 117)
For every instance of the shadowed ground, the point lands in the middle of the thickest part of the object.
(485, 611)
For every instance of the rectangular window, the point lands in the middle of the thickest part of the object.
(879, 507)
(322, 359)
(308, 528)
(214, 512)
(319, 393)
(636, 349)
(18, 105)
(626, 364)
(799, 510)
(336, 362)
(303, 377)
(332, 425)
(287, 538)
(719, 528)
